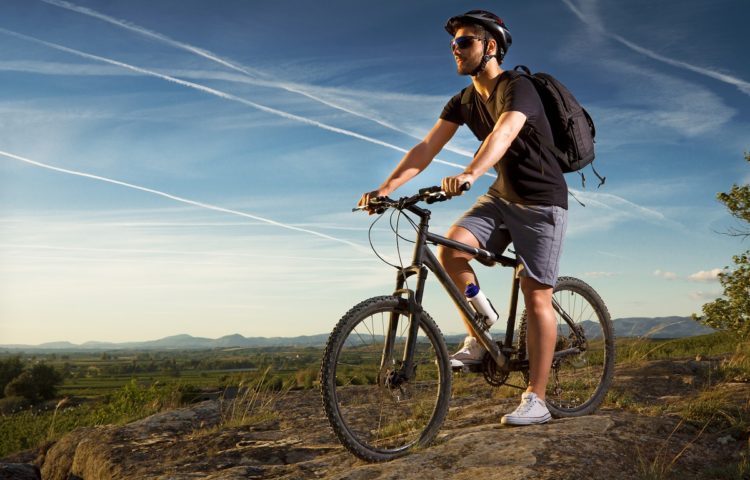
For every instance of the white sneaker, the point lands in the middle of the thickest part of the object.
(531, 411)
(471, 353)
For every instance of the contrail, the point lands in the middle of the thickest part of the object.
(180, 199)
(218, 93)
(156, 36)
(742, 85)
(252, 73)
(233, 255)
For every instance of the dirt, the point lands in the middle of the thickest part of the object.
(638, 434)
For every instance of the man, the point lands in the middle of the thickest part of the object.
(527, 203)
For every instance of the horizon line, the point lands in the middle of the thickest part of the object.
(190, 336)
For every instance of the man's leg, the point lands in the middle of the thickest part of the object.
(541, 333)
(457, 266)
(456, 263)
(541, 336)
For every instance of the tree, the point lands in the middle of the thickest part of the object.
(733, 311)
(38, 383)
(10, 368)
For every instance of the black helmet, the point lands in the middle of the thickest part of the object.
(491, 22)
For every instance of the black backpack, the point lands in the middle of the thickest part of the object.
(572, 127)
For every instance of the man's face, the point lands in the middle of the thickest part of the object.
(468, 58)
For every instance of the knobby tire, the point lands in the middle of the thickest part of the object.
(373, 421)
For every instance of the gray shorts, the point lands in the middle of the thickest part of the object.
(536, 232)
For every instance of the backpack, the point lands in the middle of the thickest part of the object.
(572, 127)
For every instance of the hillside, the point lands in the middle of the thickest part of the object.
(660, 327)
(642, 432)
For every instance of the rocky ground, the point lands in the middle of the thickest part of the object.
(293, 440)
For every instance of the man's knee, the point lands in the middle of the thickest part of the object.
(448, 255)
(536, 295)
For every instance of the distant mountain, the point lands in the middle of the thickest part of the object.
(661, 327)
(181, 342)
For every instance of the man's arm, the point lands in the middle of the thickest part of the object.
(415, 159)
(494, 147)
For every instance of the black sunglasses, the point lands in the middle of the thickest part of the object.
(463, 42)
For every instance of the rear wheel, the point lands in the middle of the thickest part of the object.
(580, 378)
(376, 412)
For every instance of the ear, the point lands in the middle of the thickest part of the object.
(492, 46)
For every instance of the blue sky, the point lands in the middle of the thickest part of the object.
(241, 134)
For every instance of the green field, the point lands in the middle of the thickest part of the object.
(121, 386)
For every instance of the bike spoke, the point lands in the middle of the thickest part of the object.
(379, 408)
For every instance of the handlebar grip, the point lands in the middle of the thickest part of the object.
(434, 189)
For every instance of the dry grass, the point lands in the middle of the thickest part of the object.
(254, 401)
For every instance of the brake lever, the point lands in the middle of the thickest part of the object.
(373, 203)
(436, 198)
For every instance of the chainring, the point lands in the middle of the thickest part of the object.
(493, 374)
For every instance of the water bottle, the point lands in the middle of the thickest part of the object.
(481, 304)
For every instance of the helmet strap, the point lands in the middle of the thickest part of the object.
(485, 59)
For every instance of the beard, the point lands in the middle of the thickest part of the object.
(467, 65)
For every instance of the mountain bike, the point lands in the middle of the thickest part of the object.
(385, 376)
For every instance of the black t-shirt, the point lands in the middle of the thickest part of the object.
(526, 174)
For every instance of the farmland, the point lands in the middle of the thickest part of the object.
(119, 386)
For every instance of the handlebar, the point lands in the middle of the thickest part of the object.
(428, 195)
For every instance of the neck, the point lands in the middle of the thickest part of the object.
(485, 82)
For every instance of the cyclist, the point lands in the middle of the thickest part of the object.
(527, 203)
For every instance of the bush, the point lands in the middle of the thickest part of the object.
(732, 312)
(39, 383)
(10, 368)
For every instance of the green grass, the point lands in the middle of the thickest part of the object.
(32, 427)
(634, 350)
(115, 388)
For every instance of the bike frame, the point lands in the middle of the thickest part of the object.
(424, 260)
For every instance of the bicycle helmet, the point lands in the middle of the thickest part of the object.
(490, 22)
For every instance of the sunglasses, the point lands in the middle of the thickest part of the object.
(463, 42)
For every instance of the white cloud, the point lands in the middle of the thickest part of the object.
(706, 275)
(665, 275)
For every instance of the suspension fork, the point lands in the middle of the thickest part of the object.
(407, 369)
(414, 309)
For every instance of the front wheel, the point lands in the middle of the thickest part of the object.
(584, 362)
(376, 409)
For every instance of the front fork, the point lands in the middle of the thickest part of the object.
(393, 372)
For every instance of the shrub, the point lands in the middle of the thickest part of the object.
(37, 384)
(10, 368)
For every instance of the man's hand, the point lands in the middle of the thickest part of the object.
(452, 185)
(364, 202)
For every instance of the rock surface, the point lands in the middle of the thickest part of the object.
(295, 441)
(19, 471)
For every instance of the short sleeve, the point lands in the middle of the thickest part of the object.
(521, 96)
(452, 110)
